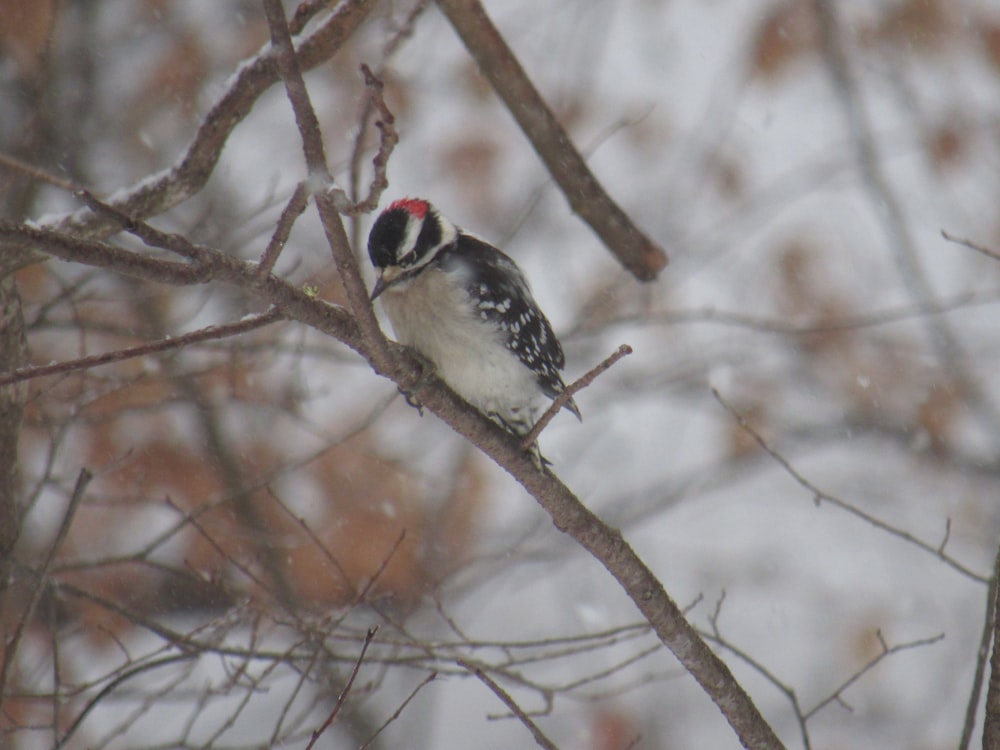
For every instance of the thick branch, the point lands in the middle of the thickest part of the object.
(609, 547)
(639, 254)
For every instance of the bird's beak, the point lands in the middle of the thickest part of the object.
(387, 277)
(381, 284)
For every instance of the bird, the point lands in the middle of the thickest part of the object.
(466, 307)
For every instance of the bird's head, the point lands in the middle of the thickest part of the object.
(404, 239)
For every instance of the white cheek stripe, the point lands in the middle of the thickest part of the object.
(413, 226)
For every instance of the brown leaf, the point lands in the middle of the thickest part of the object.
(783, 36)
(613, 729)
(25, 32)
(937, 412)
(947, 144)
(918, 24)
(473, 161)
(989, 34)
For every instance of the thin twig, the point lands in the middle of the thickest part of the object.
(119, 679)
(413, 694)
(209, 333)
(575, 387)
(347, 688)
(381, 568)
(971, 245)
(376, 100)
(10, 650)
(388, 138)
(511, 704)
(18, 165)
(821, 496)
(293, 209)
(312, 536)
(885, 652)
(192, 519)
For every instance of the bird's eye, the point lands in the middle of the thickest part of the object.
(408, 258)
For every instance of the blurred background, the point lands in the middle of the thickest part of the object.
(804, 446)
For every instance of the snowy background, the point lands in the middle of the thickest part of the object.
(809, 284)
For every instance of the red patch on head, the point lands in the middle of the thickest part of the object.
(414, 206)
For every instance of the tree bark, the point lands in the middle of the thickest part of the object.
(13, 354)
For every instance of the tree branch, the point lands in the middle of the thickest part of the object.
(575, 387)
(991, 723)
(210, 333)
(11, 646)
(188, 175)
(540, 739)
(330, 199)
(293, 209)
(347, 688)
(587, 197)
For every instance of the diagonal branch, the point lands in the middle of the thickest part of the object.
(508, 700)
(587, 197)
(347, 688)
(329, 198)
(820, 495)
(575, 387)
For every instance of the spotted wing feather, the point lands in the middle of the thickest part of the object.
(502, 296)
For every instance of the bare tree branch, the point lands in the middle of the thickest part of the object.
(540, 739)
(347, 689)
(209, 333)
(820, 496)
(174, 185)
(330, 199)
(982, 249)
(573, 388)
(388, 137)
(293, 209)
(402, 706)
(982, 657)
(634, 250)
(11, 645)
(991, 723)
(13, 354)
(886, 651)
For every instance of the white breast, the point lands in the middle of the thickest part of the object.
(433, 314)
